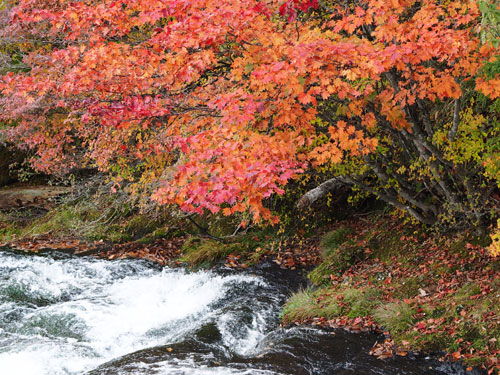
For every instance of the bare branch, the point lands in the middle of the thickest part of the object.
(456, 120)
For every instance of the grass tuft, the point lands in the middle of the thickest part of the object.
(395, 317)
(307, 304)
(361, 301)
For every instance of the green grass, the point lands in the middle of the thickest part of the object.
(307, 304)
(338, 254)
(200, 252)
(361, 302)
(332, 240)
(329, 304)
(395, 316)
(399, 287)
(410, 286)
(88, 221)
(9, 229)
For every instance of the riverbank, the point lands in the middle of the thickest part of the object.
(108, 228)
(429, 292)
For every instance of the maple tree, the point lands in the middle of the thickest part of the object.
(216, 106)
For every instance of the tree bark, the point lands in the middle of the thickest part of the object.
(319, 192)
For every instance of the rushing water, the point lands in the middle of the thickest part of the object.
(64, 315)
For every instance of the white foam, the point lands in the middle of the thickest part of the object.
(189, 367)
(118, 313)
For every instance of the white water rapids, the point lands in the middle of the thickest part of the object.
(68, 316)
(74, 316)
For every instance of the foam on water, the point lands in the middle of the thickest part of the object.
(190, 367)
(92, 317)
(68, 316)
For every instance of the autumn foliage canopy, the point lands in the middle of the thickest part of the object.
(217, 105)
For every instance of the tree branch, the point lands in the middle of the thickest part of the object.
(319, 192)
(456, 120)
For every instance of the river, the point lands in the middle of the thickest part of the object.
(61, 315)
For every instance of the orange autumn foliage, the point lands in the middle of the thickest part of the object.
(214, 103)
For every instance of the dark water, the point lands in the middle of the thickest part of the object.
(63, 315)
